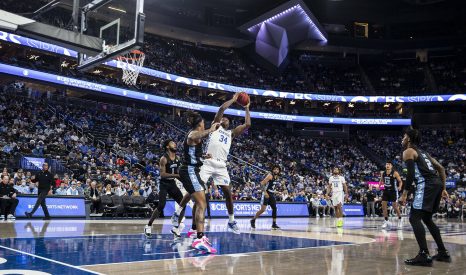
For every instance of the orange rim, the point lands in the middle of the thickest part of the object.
(138, 52)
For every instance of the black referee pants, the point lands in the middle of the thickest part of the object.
(41, 201)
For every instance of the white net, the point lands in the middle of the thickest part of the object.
(131, 65)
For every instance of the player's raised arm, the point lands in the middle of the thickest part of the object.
(223, 107)
(196, 135)
(246, 125)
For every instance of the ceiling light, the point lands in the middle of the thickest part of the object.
(117, 9)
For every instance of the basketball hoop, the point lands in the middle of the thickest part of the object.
(131, 64)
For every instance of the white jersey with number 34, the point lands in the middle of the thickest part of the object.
(337, 183)
(219, 144)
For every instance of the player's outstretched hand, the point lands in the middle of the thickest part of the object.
(247, 106)
(445, 194)
(235, 97)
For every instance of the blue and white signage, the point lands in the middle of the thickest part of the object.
(352, 210)
(246, 209)
(63, 207)
(17, 39)
(31, 163)
(102, 88)
(450, 184)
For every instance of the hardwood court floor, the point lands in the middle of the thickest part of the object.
(303, 246)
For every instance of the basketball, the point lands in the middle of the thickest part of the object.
(243, 99)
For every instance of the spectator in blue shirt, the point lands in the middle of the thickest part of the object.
(21, 187)
(72, 191)
(300, 197)
(61, 191)
(32, 189)
(125, 172)
(7, 148)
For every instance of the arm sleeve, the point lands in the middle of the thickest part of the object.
(410, 175)
(12, 191)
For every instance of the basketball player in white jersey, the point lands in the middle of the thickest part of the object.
(218, 147)
(337, 185)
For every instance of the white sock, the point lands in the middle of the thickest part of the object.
(178, 211)
(232, 217)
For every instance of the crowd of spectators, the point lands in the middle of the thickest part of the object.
(125, 162)
(398, 77)
(450, 73)
(12, 54)
(305, 72)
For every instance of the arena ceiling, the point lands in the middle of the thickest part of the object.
(216, 22)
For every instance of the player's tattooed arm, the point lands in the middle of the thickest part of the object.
(195, 136)
(264, 182)
(223, 107)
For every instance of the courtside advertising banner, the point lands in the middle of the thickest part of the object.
(246, 209)
(64, 207)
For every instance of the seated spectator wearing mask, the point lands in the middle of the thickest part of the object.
(72, 191)
(32, 190)
(61, 191)
(93, 194)
(21, 187)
